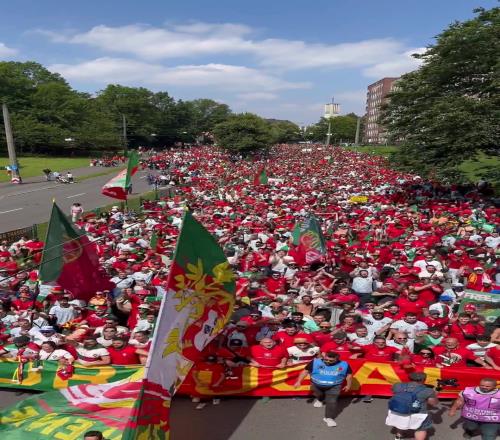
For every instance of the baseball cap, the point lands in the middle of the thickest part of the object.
(445, 298)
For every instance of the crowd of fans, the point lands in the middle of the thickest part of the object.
(388, 287)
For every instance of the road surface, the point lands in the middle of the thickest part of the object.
(31, 202)
(289, 419)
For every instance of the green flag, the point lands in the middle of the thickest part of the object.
(70, 259)
(260, 178)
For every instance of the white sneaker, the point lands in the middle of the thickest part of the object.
(317, 404)
(201, 405)
(195, 400)
(215, 401)
(330, 422)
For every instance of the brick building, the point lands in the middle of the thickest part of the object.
(375, 97)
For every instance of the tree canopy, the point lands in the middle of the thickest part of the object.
(343, 129)
(48, 116)
(244, 132)
(448, 110)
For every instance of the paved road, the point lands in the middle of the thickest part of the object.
(23, 205)
(291, 419)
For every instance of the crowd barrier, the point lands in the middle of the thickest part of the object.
(372, 378)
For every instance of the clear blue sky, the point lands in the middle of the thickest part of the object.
(278, 59)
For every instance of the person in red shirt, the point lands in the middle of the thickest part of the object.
(427, 289)
(425, 358)
(433, 320)
(344, 296)
(323, 335)
(276, 284)
(291, 331)
(121, 353)
(378, 351)
(411, 304)
(450, 354)
(98, 318)
(492, 357)
(268, 354)
(341, 346)
(464, 330)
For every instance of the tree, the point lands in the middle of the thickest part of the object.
(342, 128)
(244, 132)
(284, 131)
(449, 109)
(207, 113)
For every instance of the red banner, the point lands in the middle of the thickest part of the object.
(372, 378)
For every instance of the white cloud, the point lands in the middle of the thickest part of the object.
(203, 39)
(6, 52)
(257, 96)
(120, 70)
(395, 67)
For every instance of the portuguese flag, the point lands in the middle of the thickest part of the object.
(118, 186)
(260, 178)
(197, 306)
(311, 243)
(70, 259)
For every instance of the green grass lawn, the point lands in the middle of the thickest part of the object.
(33, 166)
(475, 168)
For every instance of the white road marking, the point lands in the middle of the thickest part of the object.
(10, 210)
(76, 195)
(143, 177)
(33, 190)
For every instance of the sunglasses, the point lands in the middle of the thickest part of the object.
(401, 339)
(425, 352)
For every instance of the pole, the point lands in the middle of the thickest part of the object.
(124, 132)
(14, 165)
(358, 126)
(329, 134)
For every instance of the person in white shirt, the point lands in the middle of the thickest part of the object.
(363, 285)
(144, 275)
(50, 352)
(62, 312)
(401, 342)
(409, 325)
(482, 344)
(302, 351)
(429, 259)
(376, 322)
(48, 333)
(24, 329)
(361, 336)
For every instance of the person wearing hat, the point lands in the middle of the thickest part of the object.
(301, 351)
(328, 375)
(48, 333)
(476, 279)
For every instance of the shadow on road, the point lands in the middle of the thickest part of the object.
(211, 423)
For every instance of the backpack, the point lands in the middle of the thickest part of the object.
(405, 402)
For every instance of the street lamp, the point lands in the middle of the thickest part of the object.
(332, 110)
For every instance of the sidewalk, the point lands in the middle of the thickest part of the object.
(77, 172)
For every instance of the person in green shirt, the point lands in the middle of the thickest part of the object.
(430, 339)
(312, 325)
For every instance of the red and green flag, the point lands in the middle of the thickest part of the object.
(70, 258)
(261, 177)
(311, 243)
(196, 308)
(118, 186)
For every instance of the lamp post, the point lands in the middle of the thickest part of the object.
(332, 110)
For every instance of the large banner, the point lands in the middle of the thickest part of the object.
(47, 379)
(487, 304)
(374, 378)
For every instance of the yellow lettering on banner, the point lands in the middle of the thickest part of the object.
(362, 375)
(112, 434)
(75, 429)
(433, 374)
(17, 415)
(280, 376)
(41, 422)
(103, 376)
(32, 377)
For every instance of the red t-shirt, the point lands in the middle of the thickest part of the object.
(268, 357)
(285, 340)
(321, 338)
(123, 356)
(456, 357)
(459, 331)
(494, 354)
(418, 359)
(440, 323)
(406, 306)
(374, 353)
(344, 350)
